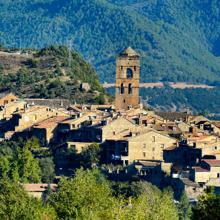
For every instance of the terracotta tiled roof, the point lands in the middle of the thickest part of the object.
(200, 169)
(50, 122)
(216, 123)
(213, 163)
(171, 148)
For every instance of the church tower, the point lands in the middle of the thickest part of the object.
(127, 80)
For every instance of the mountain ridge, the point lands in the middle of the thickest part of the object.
(178, 40)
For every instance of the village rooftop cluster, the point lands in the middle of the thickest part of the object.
(179, 149)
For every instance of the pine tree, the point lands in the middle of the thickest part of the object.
(184, 208)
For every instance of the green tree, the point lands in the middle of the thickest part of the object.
(28, 166)
(18, 163)
(47, 169)
(184, 208)
(86, 196)
(4, 167)
(33, 144)
(89, 196)
(16, 204)
(91, 155)
(208, 206)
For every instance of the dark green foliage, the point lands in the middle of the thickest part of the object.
(18, 163)
(16, 204)
(133, 189)
(47, 170)
(208, 206)
(91, 155)
(178, 39)
(197, 100)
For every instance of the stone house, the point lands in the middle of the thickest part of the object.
(145, 145)
(191, 151)
(47, 130)
(207, 173)
(7, 110)
(28, 117)
(77, 121)
(101, 129)
(6, 98)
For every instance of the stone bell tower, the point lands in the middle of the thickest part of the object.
(127, 80)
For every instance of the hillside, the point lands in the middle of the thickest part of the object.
(52, 72)
(178, 39)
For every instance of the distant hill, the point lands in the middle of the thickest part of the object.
(179, 40)
(53, 72)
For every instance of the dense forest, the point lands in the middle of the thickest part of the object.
(52, 72)
(178, 39)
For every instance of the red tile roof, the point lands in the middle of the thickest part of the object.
(200, 169)
(50, 122)
(212, 162)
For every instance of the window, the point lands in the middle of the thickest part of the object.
(144, 146)
(122, 89)
(135, 68)
(73, 146)
(121, 67)
(144, 154)
(218, 175)
(130, 88)
(129, 73)
(154, 138)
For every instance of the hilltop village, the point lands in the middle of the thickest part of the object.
(165, 148)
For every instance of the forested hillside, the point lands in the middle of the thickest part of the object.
(52, 72)
(199, 101)
(179, 40)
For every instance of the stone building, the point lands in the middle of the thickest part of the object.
(7, 97)
(143, 145)
(207, 173)
(27, 118)
(127, 79)
(47, 131)
(7, 110)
